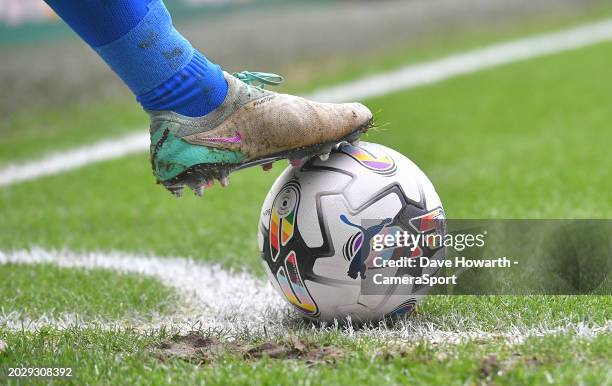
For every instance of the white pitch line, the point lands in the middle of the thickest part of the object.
(78, 157)
(371, 86)
(469, 62)
(214, 297)
(237, 303)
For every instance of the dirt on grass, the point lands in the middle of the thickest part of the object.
(199, 349)
(192, 348)
(491, 366)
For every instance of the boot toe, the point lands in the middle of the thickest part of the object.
(361, 114)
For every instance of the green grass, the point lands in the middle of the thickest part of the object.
(524, 140)
(499, 313)
(34, 290)
(431, 46)
(527, 140)
(133, 214)
(511, 142)
(119, 357)
(32, 134)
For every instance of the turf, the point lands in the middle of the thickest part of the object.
(36, 290)
(511, 150)
(524, 140)
(495, 313)
(333, 70)
(122, 357)
(512, 142)
(32, 134)
(135, 215)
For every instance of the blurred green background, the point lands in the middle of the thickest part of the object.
(313, 43)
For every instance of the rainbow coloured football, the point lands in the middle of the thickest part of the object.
(318, 222)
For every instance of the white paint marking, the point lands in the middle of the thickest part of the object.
(237, 303)
(214, 297)
(368, 87)
(469, 62)
(56, 163)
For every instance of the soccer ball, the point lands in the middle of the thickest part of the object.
(317, 225)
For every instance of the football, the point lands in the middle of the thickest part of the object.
(318, 226)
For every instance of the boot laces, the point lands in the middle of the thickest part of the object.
(259, 79)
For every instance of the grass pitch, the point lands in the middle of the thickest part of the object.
(120, 357)
(524, 140)
(493, 146)
(36, 290)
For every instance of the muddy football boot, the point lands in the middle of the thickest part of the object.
(252, 127)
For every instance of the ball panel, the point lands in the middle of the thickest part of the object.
(316, 183)
(409, 172)
(332, 297)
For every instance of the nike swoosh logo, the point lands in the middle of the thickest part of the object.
(235, 139)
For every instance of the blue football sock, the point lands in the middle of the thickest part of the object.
(137, 40)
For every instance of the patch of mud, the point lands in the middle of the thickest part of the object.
(192, 348)
(491, 366)
(295, 350)
(199, 349)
